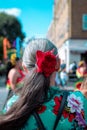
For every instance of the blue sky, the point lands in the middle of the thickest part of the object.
(35, 15)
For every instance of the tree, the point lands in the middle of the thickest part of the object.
(10, 27)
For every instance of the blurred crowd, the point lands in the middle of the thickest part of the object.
(76, 71)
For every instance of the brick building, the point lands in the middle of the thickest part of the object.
(68, 29)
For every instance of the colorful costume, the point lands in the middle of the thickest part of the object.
(80, 77)
(19, 82)
(79, 74)
(74, 116)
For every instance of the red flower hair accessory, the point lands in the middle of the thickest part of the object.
(46, 62)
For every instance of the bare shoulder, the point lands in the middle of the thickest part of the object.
(12, 72)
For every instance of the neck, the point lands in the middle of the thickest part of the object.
(52, 83)
(52, 79)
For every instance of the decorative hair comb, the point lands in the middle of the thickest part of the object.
(46, 62)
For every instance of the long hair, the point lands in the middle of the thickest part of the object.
(33, 94)
(34, 91)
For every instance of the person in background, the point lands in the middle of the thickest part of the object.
(73, 67)
(14, 74)
(0, 67)
(62, 63)
(81, 73)
(63, 75)
(39, 97)
(81, 70)
(57, 79)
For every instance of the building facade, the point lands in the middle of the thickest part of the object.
(68, 30)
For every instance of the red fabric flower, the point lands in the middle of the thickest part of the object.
(41, 109)
(57, 101)
(46, 62)
(68, 115)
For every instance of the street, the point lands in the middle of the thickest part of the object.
(3, 92)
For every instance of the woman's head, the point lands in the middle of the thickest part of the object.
(29, 56)
(14, 59)
(36, 84)
(18, 63)
(82, 64)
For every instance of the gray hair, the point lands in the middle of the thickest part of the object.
(29, 56)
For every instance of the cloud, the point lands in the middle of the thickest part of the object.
(11, 11)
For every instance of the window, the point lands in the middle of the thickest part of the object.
(84, 22)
